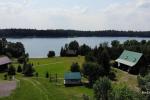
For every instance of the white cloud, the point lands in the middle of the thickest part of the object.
(133, 15)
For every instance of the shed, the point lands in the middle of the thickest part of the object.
(129, 60)
(4, 61)
(72, 78)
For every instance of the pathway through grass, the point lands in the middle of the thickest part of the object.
(126, 78)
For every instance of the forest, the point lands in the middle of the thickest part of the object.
(22, 33)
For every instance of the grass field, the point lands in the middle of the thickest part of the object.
(57, 65)
(41, 89)
(32, 88)
(126, 78)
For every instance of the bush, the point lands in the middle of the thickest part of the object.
(51, 54)
(144, 82)
(102, 88)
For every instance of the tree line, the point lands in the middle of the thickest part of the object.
(11, 49)
(75, 48)
(19, 33)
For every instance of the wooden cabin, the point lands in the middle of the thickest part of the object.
(71, 53)
(72, 78)
(130, 61)
(4, 61)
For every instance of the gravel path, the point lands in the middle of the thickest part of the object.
(7, 87)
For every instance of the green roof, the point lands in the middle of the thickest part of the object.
(129, 58)
(72, 75)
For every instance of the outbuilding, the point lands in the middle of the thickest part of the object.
(72, 78)
(131, 61)
(4, 61)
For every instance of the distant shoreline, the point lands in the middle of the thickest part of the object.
(71, 37)
(33, 33)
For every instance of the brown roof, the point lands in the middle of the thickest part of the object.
(72, 52)
(4, 60)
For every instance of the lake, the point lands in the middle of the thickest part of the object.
(39, 47)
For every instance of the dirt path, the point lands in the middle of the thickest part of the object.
(7, 87)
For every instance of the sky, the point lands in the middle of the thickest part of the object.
(76, 14)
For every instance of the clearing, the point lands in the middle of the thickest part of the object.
(32, 88)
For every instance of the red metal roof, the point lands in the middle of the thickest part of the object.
(4, 60)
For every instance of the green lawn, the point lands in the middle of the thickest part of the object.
(42, 89)
(57, 65)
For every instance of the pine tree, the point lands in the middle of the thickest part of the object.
(19, 69)
(104, 60)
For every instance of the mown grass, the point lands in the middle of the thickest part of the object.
(58, 65)
(42, 89)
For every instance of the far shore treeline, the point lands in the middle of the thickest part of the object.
(23, 33)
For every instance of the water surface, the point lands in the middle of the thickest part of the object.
(39, 47)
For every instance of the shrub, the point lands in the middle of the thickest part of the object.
(51, 54)
(102, 88)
